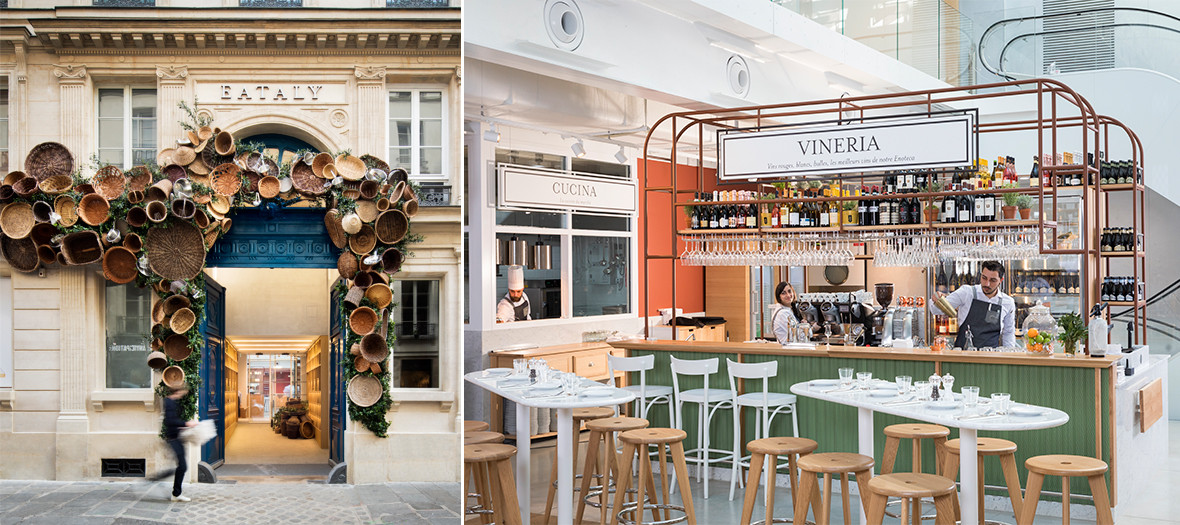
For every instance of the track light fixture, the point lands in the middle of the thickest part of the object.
(579, 149)
(491, 135)
(621, 156)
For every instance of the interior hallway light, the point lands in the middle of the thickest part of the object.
(491, 135)
(579, 149)
(621, 156)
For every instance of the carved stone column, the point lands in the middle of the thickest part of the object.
(18, 99)
(371, 100)
(170, 91)
(76, 108)
(73, 425)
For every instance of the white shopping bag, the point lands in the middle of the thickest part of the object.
(200, 434)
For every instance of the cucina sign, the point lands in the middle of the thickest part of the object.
(521, 187)
(575, 189)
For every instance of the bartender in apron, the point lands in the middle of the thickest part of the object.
(988, 312)
(514, 306)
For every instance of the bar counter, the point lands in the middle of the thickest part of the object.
(1083, 387)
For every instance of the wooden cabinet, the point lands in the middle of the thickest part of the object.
(727, 294)
(585, 359)
(713, 332)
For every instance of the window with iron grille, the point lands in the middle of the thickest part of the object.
(415, 361)
(127, 126)
(417, 132)
(270, 3)
(124, 3)
(412, 4)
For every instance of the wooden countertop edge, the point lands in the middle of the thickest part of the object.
(571, 347)
(862, 352)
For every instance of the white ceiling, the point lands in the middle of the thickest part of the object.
(272, 344)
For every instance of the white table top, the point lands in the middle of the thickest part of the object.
(926, 411)
(525, 395)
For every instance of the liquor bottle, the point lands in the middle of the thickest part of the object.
(774, 215)
(997, 176)
(1034, 177)
(875, 208)
(1075, 179)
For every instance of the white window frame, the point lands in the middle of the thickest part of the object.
(415, 131)
(128, 160)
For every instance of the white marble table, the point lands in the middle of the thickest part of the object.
(969, 428)
(565, 405)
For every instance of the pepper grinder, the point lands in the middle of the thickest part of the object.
(935, 382)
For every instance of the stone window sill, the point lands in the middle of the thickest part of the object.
(422, 395)
(6, 398)
(131, 395)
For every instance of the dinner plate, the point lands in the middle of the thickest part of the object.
(497, 372)
(598, 391)
(1026, 411)
(882, 393)
(511, 382)
(552, 386)
(825, 382)
(939, 405)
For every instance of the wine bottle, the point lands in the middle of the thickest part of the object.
(964, 209)
(862, 208)
(1034, 177)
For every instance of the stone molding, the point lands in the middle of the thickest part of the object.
(69, 73)
(172, 73)
(370, 73)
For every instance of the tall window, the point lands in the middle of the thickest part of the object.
(3, 125)
(128, 335)
(126, 126)
(417, 132)
(415, 359)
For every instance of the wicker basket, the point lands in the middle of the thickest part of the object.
(350, 167)
(391, 260)
(177, 252)
(156, 211)
(367, 211)
(369, 189)
(305, 180)
(354, 295)
(133, 242)
(225, 225)
(182, 321)
(329, 172)
(347, 265)
(205, 133)
(11, 177)
(363, 280)
(382, 204)
(25, 186)
(174, 172)
(272, 169)
(374, 348)
(176, 347)
(375, 368)
(21, 254)
(363, 320)
(224, 143)
(219, 205)
(174, 303)
(351, 189)
(399, 175)
(211, 158)
(355, 349)
(109, 182)
(139, 178)
(226, 179)
(157, 360)
(351, 223)
(374, 162)
(410, 207)
(363, 241)
(252, 178)
(335, 230)
(307, 430)
(408, 194)
(48, 159)
(268, 187)
(211, 238)
(119, 265)
(201, 219)
(81, 248)
(94, 209)
(364, 390)
(46, 254)
(391, 227)
(43, 233)
(6, 193)
(317, 164)
(16, 220)
(183, 209)
(134, 197)
(360, 364)
(159, 191)
(198, 168)
(184, 155)
(398, 189)
(56, 184)
(380, 294)
(174, 377)
(166, 156)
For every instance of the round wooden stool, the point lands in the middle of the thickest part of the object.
(915, 432)
(1066, 467)
(479, 475)
(500, 486)
(764, 453)
(911, 486)
(635, 446)
(580, 415)
(475, 426)
(482, 436)
(602, 432)
(826, 464)
(1001, 448)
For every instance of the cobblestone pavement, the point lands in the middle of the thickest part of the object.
(67, 503)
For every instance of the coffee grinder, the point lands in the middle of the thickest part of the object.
(880, 319)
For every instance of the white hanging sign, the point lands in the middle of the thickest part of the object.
(535, 188)
(941, 141)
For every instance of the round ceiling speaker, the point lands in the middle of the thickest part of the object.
(564, 23)
(737, 75)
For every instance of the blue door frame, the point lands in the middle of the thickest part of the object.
(212, 391)
(337, 411)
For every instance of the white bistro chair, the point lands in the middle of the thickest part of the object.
(708, 401)
(645, 396)
(767, 404)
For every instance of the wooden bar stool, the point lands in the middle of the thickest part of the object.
(483, 436)
(826, 464)
(606, 462)
(635, 445)
(911, 486)
(475, 426)
(1001, 448)
(479, 474)
(915, 432)
(1066, 467)
(765, 452)
(580, 415)
(495, 459)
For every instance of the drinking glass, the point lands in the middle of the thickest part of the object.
(845, 376)
(970, 395)
(570, 382)
(903, 384)
(863, 379)
(520, 366)
(1000, 403)
(922, 388)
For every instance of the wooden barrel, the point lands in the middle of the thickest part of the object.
(292, 428)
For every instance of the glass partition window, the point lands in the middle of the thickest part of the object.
(417, 132)
(541, 287)
(415, 355)
(600, 276)
(272, 379)
(127, 126)
(128, 336)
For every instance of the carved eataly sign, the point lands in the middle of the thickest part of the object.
(269, 92)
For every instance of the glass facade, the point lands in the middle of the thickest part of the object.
(601, 282)
(128, 336)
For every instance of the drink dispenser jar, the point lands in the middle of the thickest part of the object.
(1040, 331)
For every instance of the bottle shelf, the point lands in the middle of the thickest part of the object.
(1122, 254)
(820, 229)
(1133, 304)
(1018, 223)
(719, 230)
(1015, 223)
(1122, 187)
(1069, 169)
(880, 227)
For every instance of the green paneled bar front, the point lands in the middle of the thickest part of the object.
(1081, 387)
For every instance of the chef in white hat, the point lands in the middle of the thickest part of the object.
(515, 305)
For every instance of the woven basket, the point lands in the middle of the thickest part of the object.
(354, 295)
(363, 241)
(158, 314)
(226, 179)
(174, 377)
(48, 159)
(6, 193)
(335, 230)
(26, 186)
(42, 211)
(133, 242)
(109, 182)
(305, 180)
(182, 321)
(21, 254)
(220, 205)
(211, 238)
(43, 233)
(391, 227)
(81, 248)
(350, 167)
(347, 265)
(360, 364)
(410, 207)
(177, 252)
(329, 172)
(184, 155)
(307, 430)
(363, 320)
(351, 189)
(56, 184)
(46, 254)
(94, 209)
(139, 178)
(204, 133)
(367, 211)
(160, 191)
(166, 156)
(199, 168)
(268, 187)
(369, 189)
(211, 158)
(398, 190)
(224, 143)
(272, 169)
(119, 265)
(155, 211)
(225, 225)
(174, 172)
(378, 277)
(408, 194)
(355, 349)
(380, 294)
(364, 391)
(252, 178)
(201, 219)
(374, 162)
(317, 164)
(363, 280)
(16, 220)
(351, 223)
(382, 204)
(176, 347)
(375, 368)
(134, 197)
(183, 208)
(157, 360)
(174, 303)
(399, 175)
(374, 348)
(11, 177)
(391, 260)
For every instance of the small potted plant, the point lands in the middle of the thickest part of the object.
(932, 212)
(1024, 204)
(1009, 208)
(1073, 331)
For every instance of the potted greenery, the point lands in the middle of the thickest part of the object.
(1009, 208)
(1024, 204)
(1073, 331)
(932, 210)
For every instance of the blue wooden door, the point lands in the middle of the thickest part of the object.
(212, 391)
(338, 413)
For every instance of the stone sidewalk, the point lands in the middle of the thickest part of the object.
(67, 503)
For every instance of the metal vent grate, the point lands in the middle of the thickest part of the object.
(1085, 41)
(124, 467)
